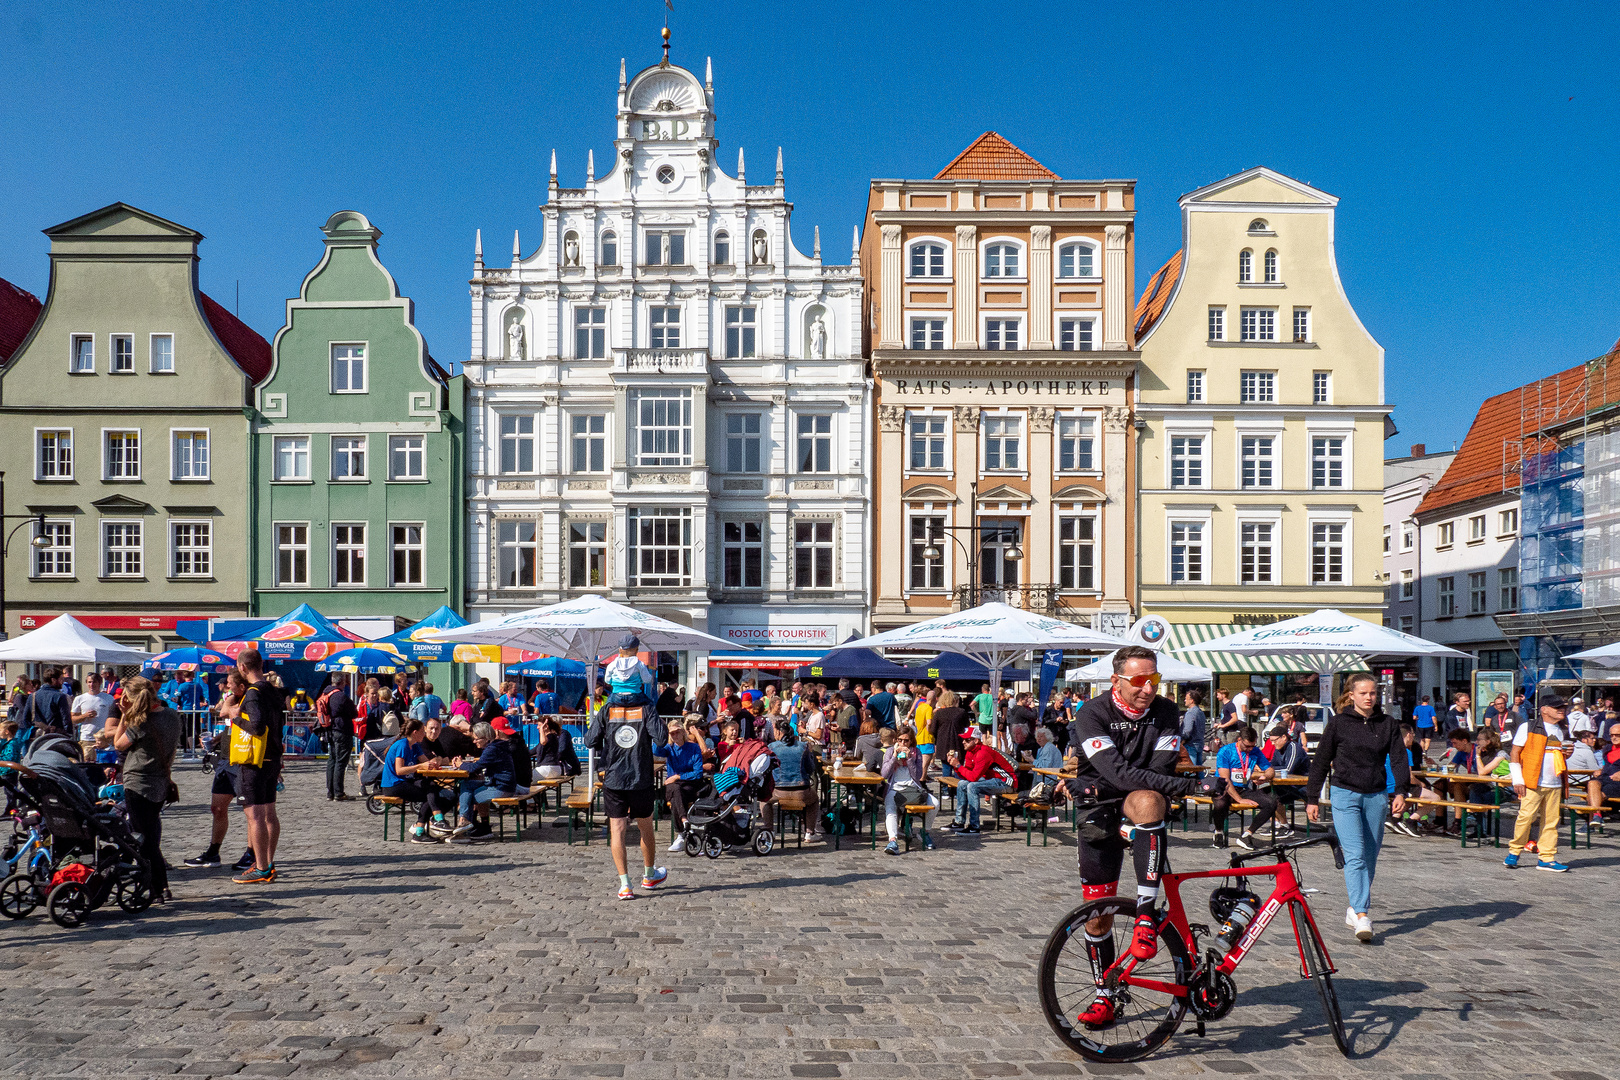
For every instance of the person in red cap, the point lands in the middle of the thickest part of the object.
(984, 772)
(522, 760)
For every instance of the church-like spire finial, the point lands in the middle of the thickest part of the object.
(517, 249)
(552, 182)
(855, 246)
(816, 251)
(741, 173)
(778, 166)
(665, 62)
(621, 74)
(590, 166)
(478, 249)
(708, 73)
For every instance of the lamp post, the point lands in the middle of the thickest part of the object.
(988, 532)
(38, 541)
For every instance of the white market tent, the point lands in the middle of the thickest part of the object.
(993, 634)
(66, 640)
(1603, 655)
(1328, 640)
(1172, 668)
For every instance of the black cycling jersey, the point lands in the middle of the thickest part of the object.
(1118, 755)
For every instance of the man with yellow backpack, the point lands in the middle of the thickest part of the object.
(257, 747)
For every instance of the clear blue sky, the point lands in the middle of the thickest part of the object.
(1474, 146)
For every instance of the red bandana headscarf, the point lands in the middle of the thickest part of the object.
(1134, 714)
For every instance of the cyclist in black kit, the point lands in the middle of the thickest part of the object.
(1127, 743)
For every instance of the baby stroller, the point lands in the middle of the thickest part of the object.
(371, 770)
(726, 813)
(98, 857)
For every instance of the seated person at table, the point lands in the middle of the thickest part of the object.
(984, 771)
(404, 758)
(683, 777)
(1609, 771)
(1489, 757)
(1289, 758)
(1048, 756)
(730, 739)
(867, 741)
(1415, 821)
(554, 758)
(903, 767)
(522, 763)
(1241, 768)
(489, 777)
(1583, 757)
(798, 770)
(872, 752)
(697, 730)
(444, 742)
(630, 681)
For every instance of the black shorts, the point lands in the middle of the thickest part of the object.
(258, 784)
(1101, 851)
(225, 782)
(627, 804)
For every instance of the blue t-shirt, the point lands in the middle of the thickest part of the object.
(399, 750)
(191, 696)
(427, 707)
(1239, 762)
(684, 761)
(545, 703)
(1423, 716)
(881, 706)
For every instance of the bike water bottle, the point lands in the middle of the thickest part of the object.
(1237, 922)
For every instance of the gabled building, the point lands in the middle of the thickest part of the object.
(125, 415)
(1003, 357)
(667, 398)
(1261, 398)
(1406, 481)
(359, 466)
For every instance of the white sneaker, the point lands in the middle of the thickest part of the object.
(679, 844)
(1363, 928)
(1350, 918)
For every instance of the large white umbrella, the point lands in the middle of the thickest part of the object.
(586, 628)
(1603, 655)
(66, 640)
(1328, 640)
(1170, 667)
(993, 634)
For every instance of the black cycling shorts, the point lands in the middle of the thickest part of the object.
(225, 782)
(627, 804)
(258, 785)
(1101, 851)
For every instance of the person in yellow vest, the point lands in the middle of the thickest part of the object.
(1536, 764)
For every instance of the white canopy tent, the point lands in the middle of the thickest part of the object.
(1328, 640)
(66, 640)
(993, 634)
(1603, 655)
(1171, 668)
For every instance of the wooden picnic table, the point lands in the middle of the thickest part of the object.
(844, 780)
(442, 774)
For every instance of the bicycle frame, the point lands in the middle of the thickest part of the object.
(1287, 891)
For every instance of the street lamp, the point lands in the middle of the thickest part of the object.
(38, 541)
(986, 533)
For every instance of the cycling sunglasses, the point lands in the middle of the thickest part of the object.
(1152, 679)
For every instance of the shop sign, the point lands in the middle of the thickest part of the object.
(793, 637)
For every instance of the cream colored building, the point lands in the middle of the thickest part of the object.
(999, 331)
(1261, 403)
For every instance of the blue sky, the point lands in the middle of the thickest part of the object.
(1473, 146)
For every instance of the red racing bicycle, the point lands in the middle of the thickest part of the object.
(1151, 998)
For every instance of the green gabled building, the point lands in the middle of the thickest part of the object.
(358, 435)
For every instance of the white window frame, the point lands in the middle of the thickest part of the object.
(1002, 320)
(1274, 523)
(1271, 267)
(816, 546)
(175, 437)
(1479, 592)
(397, 443)
(685, 406)
(819, 440)
(1409, 535)
(742, 437)
(742, 545)
(107, 435)
(1075, 245)
(1506, 602)
(1265, 386)
(944, 332)
(666, 247)
(945, 437)
(152, 354)
(1206, 523)
(1445, 590)
(1302, 315)
(1086, 430)
(517, 438)
(608, 236)
(662, 326)
(942, 541)
(742, 335)
(1346, 555)
(106, 549)
(1021, 447)
(1246, 266)
(1445, 535)
(74, 367)
(1258, 320)
(39, 453)
(276, 442)
(1476, 528)
(112, 354)
(53, 549)
(207, 551)
(681, 519)
(948, 258)
(1197, 379)
(998, 243)
(365, 458)
(1217, 322)
(589, 441)
(1077, 332)
(1321, 388)
(364, 547)
(517, 546)
(1345, 479)
(1408, 585)
(292, 547)
(721, 236)
(1274, 436)
(591, 330)
(1204, 463)
(332, 361)
(1406, 624)
(394, 548)
(1059, 544)
(595, 550)
(1507, 522)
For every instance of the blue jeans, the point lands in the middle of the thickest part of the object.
(1359, 821)
(473, 793)
(967, 798)
(1195, 749)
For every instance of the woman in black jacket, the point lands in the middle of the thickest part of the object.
(1356, 744)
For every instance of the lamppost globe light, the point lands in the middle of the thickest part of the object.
(40, 541)
(1014, 554)
(931, 553)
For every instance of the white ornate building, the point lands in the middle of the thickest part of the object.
(667, 401)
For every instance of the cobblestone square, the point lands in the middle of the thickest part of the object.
(369, 958)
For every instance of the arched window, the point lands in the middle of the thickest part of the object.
(928, 259)
(722, 248)
(1245, 265)
(1271, 266)
(1258, 225)
(1077, 260)
(610, 249)
(1001, 260)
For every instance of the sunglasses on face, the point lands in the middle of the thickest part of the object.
(1139, 681)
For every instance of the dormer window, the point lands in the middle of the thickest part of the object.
(610, 249)
(722, 248)
(1077, 261)
(1245, 265)
(666, 249)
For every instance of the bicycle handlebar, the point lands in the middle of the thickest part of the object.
(1331, 839)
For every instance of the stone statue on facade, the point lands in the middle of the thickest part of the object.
(571, 251)
(514, 340)
(818, 339)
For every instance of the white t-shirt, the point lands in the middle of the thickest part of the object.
(1553, 756)
(100, 704)
(1241, 704)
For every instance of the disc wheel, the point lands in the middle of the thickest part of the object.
(713, 847)
(764, 842)
(1144, 1017)
(693, 846)
(18, 896)
(1319, 969)
(68, 905)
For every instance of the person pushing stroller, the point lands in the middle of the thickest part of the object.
(623, 733)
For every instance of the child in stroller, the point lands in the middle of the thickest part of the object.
(726, 814)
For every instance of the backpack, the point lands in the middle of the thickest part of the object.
(323, 708)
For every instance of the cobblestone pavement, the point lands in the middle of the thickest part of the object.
(384, 959)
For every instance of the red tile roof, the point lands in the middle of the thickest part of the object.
(1488, 459)
(250, 351)
(990, 157)
(19, 310)
(1157, 295)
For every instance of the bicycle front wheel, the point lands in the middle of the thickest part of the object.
(1144, 1016)
(1319, 969)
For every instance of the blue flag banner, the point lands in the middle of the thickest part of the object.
(1051, 664)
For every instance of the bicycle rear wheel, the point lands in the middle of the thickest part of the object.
(1319, 969)
(1144, 1017)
